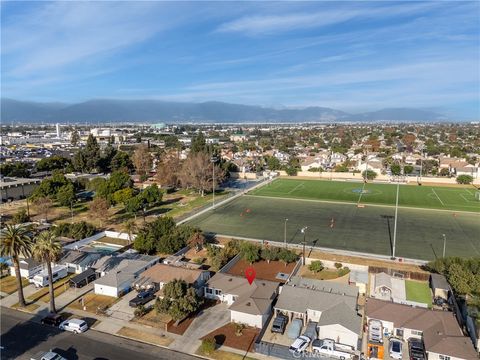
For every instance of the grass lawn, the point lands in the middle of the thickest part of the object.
(367, 230)
(93, 302)
(29, 308)
(223, 355)
(145, 336)
(59, 288)
(8, 284)
(418, 291)
(154, 320)
(115, 241)
(432, 197)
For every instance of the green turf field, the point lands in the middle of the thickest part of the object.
(433, 197)
(368, 229)
(418, 291)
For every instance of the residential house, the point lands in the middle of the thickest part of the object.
(359, 279)
(382, 287)
(28, 267)
(439, 330)
(439, 286)
(333, 306)
(78, 261)
(249, 304)
(119, 272)
(159, 274)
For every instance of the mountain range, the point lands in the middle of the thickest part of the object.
(141, 111)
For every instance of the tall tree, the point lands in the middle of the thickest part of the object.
(74, 138)
(142, 160)
(129, 227)
(198, 144)
(16, 242)
(168, 172)
(99, 209)
(121, 161)
(43, 205)
(197, 172)
(47, 249)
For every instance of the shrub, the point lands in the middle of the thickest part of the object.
(77, 231)
(199, 260)
(239, 329)
(316, 266)
(343, 271)
(21, 217)
(208, 346)
(338, 265)
(140, 311)
(464, 179)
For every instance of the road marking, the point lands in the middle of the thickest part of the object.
(438, 197)
(295, 188)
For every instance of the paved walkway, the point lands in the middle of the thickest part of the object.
(12, 299)
(209, 320)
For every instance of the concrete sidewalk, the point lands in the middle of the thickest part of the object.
(12, 299)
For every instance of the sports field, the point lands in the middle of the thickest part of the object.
(433, 197)
(343, 225)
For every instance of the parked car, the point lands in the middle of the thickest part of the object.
(439, 301)
(74, 325)
(416, 349)
(329, 347)
(294, 329)
(52, 319)
(279, 324)
(142, 298)
(299, 345)
(395, 348)
(49, 355)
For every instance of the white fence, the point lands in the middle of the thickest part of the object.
(88, 240)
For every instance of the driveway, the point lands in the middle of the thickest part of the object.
(121, 310)
(209, 320)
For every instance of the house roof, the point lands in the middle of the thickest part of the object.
(162, 273)
(358, 276)
(82, 276)
(383, 279)
(324, 286)
(439, 282)
(343, 315)
(441, 333)
(29, 263)
(253, 298)
(79, 257)
(298, 299)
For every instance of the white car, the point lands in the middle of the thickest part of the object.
(49, 355)
(395, 349)
(299, 345)
(74, 325)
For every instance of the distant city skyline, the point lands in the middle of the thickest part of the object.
(352, 56)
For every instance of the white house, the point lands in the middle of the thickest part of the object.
(332, 305)
(250, 304)
(28, 268)
(441, 334)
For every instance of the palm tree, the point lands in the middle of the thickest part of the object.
(16, 242)
(47, 249)
(130, 226)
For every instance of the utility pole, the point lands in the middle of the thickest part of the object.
(285, 233)
(304, 232)
(421, 166)
(395, 224)
(444, 244)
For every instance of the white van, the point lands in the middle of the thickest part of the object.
(58, 272)
(74, 325)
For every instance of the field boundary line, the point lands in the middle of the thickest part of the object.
(330, 250)
(367, 204)
(438, 197)
(295, 188)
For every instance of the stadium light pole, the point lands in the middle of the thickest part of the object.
(304, 232)
(212, 160)
(395, 224)
(285, 233)
(444, 244)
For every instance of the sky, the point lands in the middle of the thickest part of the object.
(351, 56)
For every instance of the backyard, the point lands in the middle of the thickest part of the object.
(418, 291)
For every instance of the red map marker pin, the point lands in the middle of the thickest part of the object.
(250, 274)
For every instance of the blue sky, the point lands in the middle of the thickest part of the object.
(352, 56)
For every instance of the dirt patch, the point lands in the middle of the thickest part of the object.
(264, 270)
(93, 302)
(223, 355)
(153, 319)
(8, 284)
(161, 340)
(325, 274)
(226, 336)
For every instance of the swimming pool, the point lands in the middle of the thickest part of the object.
(105, 247)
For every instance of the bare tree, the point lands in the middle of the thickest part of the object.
(168, 171)
(142, 159)
(197, 172)
(99, 209)
(43, 205)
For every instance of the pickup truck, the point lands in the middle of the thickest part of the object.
(142, 298)
(49, 355)
(279, 324)
(327, 347)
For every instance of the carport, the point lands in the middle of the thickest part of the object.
(83, 278)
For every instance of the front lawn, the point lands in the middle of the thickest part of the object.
(325, 274)
(8, 284)
(227, 336)
(59, 288)
(418, 291)
(161, 340)
(93, 302)
(222, 355)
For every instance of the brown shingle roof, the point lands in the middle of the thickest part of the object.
(166, 273)
(441, 333)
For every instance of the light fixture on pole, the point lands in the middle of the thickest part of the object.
(304, 232)
(285, 233)
(395, 223)
(213, 160)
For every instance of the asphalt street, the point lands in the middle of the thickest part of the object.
(22, 338)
